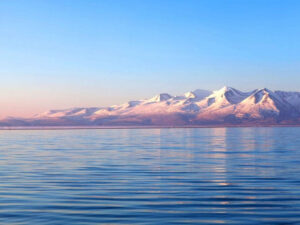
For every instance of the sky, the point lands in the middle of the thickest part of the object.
(57, 54)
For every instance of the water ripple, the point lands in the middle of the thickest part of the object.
(151, 176)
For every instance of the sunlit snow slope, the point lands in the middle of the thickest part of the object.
(227, 106)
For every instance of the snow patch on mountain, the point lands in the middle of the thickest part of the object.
(160, 98)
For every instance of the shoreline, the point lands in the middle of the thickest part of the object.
(139, 127)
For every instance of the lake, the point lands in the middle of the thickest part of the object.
(150, 176)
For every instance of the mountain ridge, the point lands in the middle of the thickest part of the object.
(226, 106)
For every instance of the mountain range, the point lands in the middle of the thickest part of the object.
(225, 107)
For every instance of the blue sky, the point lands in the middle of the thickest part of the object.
(65, 53)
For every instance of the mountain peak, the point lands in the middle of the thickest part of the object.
(265, 90)
(228, 95)
(160, 97)
(190, 94)
(226, 88)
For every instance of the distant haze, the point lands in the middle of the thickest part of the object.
(57, 54)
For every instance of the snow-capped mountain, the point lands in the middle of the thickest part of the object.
(227, 106)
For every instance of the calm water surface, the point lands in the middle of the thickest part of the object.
(150, 176)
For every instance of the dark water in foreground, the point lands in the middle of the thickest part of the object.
(151, 176)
